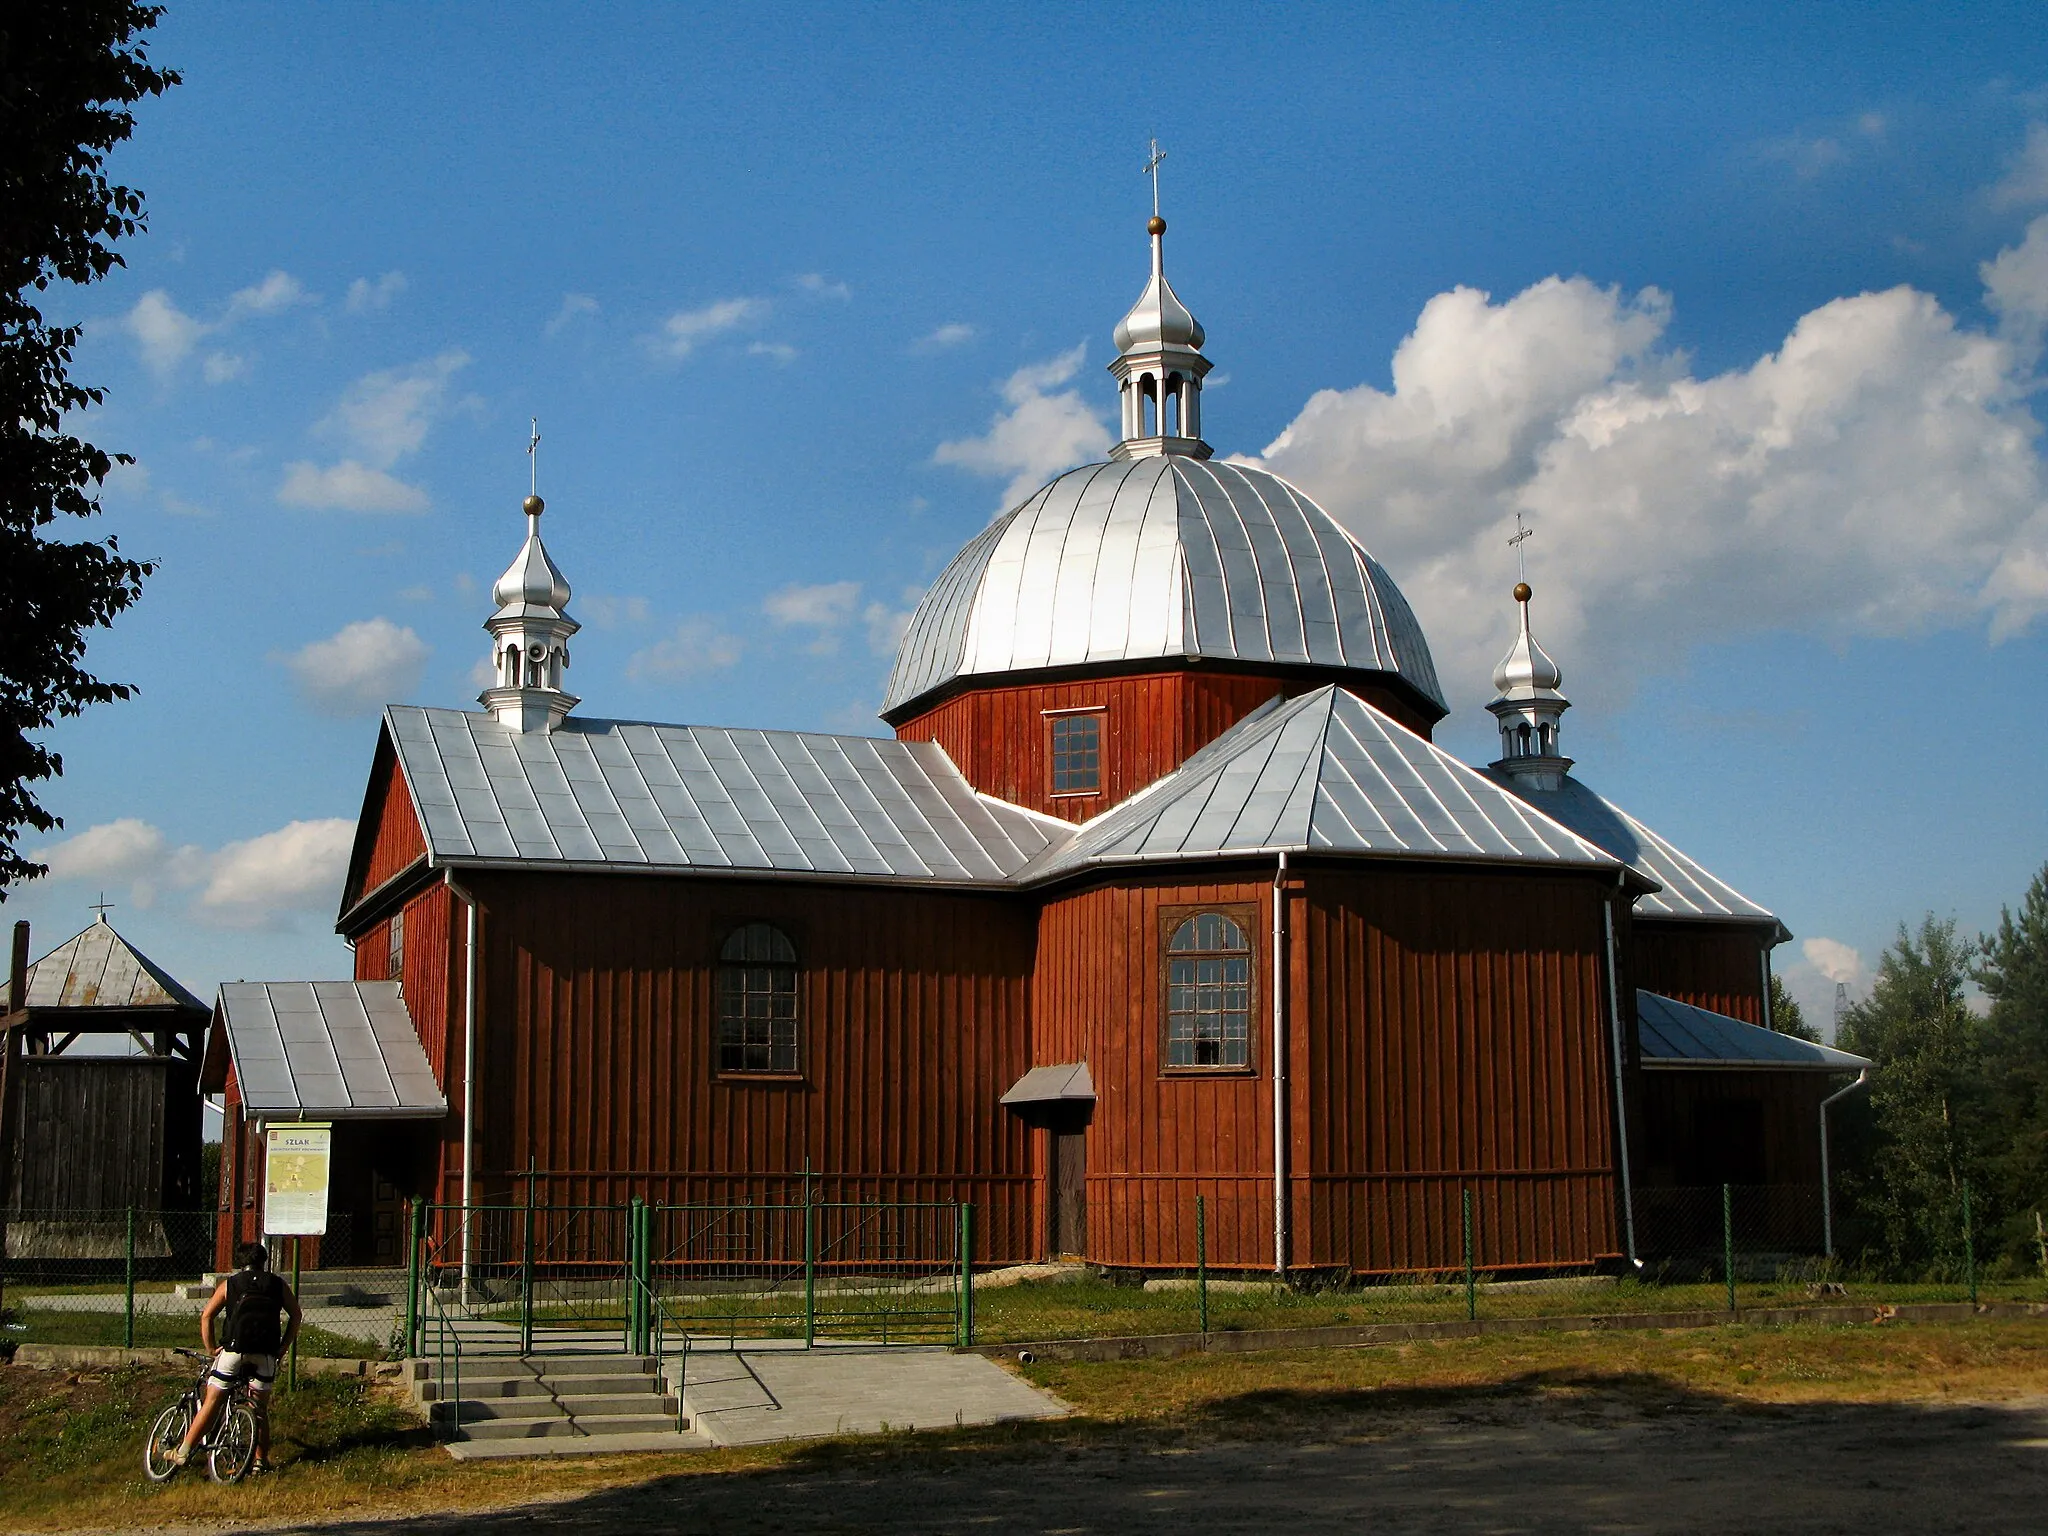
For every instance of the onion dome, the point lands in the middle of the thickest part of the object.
(1527, 668)
(1158, 318)
(532, 579)
(530, 637)
(1161, 557)
(1529, 708)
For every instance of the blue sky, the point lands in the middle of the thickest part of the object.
(1741, 306)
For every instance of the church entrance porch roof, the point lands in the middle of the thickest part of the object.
(321, 1050)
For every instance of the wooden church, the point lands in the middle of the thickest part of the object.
(1160, 890)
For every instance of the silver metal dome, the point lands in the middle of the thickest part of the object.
(1160, 557)
(532, 579)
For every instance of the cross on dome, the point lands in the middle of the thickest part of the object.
(1159, 365)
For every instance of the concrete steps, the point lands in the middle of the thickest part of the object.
(587, 1405)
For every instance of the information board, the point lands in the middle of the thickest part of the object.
(295, 1163)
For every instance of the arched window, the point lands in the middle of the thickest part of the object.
(757, 1001)
(1208, 993)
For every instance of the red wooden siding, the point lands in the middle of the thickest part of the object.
(398, 840)
(432, 969)
(1710, 965)
(1156, 1140)
(1153, 722)
(597, 1047)
(1451, 1033)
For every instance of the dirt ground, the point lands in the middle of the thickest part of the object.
(1593, 1461)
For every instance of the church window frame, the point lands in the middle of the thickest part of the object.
(758, 1029)
(1074, 739)
(1209, 990)
(394, 953)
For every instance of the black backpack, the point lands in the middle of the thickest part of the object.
(255, 1298)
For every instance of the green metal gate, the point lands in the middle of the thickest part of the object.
(527, 1279)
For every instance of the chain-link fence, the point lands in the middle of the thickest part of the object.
(1723, 1249)
(602, 1277)
(139, 1278)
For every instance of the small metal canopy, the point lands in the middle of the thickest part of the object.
(1677, 1036)
(321, 1050)
(1067, 1083)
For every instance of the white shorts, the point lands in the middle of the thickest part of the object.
(231, 1366)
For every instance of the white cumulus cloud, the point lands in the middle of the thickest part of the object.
(1041, 430)
(364, 295)
(126, 849)
(164, 333)
(2025, 183)
(348, 487)
(387, 414)
(277, 292)
(825, 604)
(574, 306)
(696, 646)
(1876, 474)
(360, 668)
(954, 333)
(262, 881)
(687, 329)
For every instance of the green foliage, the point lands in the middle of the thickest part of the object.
(2013, 971)
(1787, 1017)
(1925, 1108)
(69, 70)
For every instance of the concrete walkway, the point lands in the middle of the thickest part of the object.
(758, 1396)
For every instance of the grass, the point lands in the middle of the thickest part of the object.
(1078, 1309)
(70, 1443)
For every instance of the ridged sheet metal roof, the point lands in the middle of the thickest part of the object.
(1160, 557)
(1676, 1034)
(622, 795)
(100, 969)
(1323, 773)
(1689, 889)
(321, 1050)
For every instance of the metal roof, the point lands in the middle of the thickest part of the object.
(1689, 890)
(1323, 773)
(1679, 1035)
(1160, 557)
(614, 794)
(1068, 1083)
(321, 1050)
(100, 969)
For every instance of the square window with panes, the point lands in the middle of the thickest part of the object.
(1077, 754)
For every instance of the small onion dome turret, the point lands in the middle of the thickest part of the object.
(1158, 318)
(1529, 710)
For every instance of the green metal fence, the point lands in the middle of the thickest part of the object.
(539, 1278)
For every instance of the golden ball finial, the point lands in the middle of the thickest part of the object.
(1155, 225)
(534, 506)
(1523, 592)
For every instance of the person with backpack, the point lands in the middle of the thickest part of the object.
(252, 1299)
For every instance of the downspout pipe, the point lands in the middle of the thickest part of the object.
(469, 966)
(1827, 1192)
(1280, 1067)
(1628, 1191)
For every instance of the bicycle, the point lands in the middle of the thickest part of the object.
(230, 1445)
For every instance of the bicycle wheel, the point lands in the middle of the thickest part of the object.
(165, 1435)
(234, 1445)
